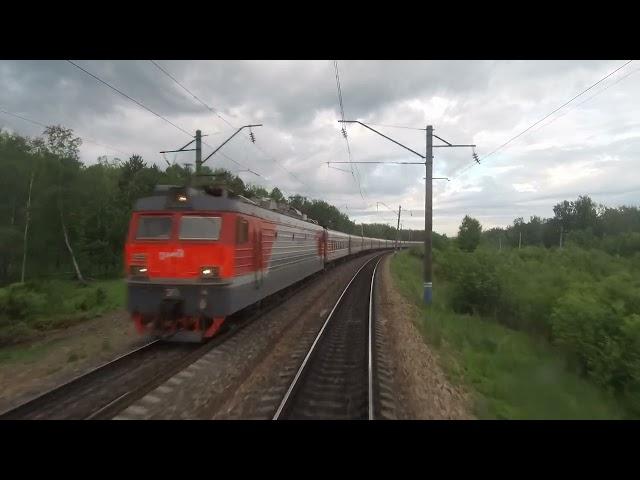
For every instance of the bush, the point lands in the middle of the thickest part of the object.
(585, 302)
(509, 374)
(476, 288)
(598, 326)
(20, 301)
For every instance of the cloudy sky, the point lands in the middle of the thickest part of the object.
(591, 146)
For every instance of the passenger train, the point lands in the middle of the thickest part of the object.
(195, 256)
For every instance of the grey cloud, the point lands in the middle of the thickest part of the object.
(483, 102)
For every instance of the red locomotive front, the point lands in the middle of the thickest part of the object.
(179, 257)
(194, 257)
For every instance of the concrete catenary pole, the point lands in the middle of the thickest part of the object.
(198, 151)
(398, 228)
(428, 221)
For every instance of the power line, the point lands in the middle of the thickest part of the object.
(148, 109)
(335, 64)
(560, 107)
(395, 126)
(219, 115)
(211, 109)
(84, 138)
(128, 97)
(344, 128)
(588, 99)
(24, 118)
(547, 116)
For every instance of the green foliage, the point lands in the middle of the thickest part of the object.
(276, 195)
(34, 307)
(580, 223)
(95, 202)
(511, 375)
(598, 325)
(476, 284)
(469, 234)
(19, 301)
(585, 302)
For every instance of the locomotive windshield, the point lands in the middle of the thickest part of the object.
(200, 228)
(154, 227)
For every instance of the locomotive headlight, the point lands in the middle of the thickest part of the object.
(209, 272)
(138, 270)
(181, 198)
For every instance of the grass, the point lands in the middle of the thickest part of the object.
(59, 304)
(27, 353)
(510, 374)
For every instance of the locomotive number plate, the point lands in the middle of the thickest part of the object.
(171, 292)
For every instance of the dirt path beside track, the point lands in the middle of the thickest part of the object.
(422, 389)
(34, 368)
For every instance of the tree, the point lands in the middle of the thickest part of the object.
(564, 214)
(277, 195)
(586, 216)
(130, 168)
(229, 180)
(62, 144)
(469, 234)
(256, 191)
(534, 230)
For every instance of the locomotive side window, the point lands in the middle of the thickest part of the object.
(153, 227)
(200, 228)
(242, 231)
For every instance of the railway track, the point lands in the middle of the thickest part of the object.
(343, 373)
(104, 389)
(108, 389)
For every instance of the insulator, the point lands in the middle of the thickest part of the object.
(344, 132)
(253, 137)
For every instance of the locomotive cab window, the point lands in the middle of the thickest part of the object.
(153, 227)
(200, 228)
(242, 231)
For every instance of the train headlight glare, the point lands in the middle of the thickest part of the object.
(138, 270)
(209, 272)
(182, 198)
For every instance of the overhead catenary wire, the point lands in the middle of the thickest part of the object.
(344, 128)
(557, 109)
(147, 108)
(545, 117)
(229, 124)
(588, 99)
(128, 97)
(395, 126)
(211, 109)
(83, 137)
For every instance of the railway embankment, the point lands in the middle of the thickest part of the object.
(508, 373)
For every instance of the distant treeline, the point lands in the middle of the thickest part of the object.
(581, 222)
(583, 299)
(73, 217)
(76, 215)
